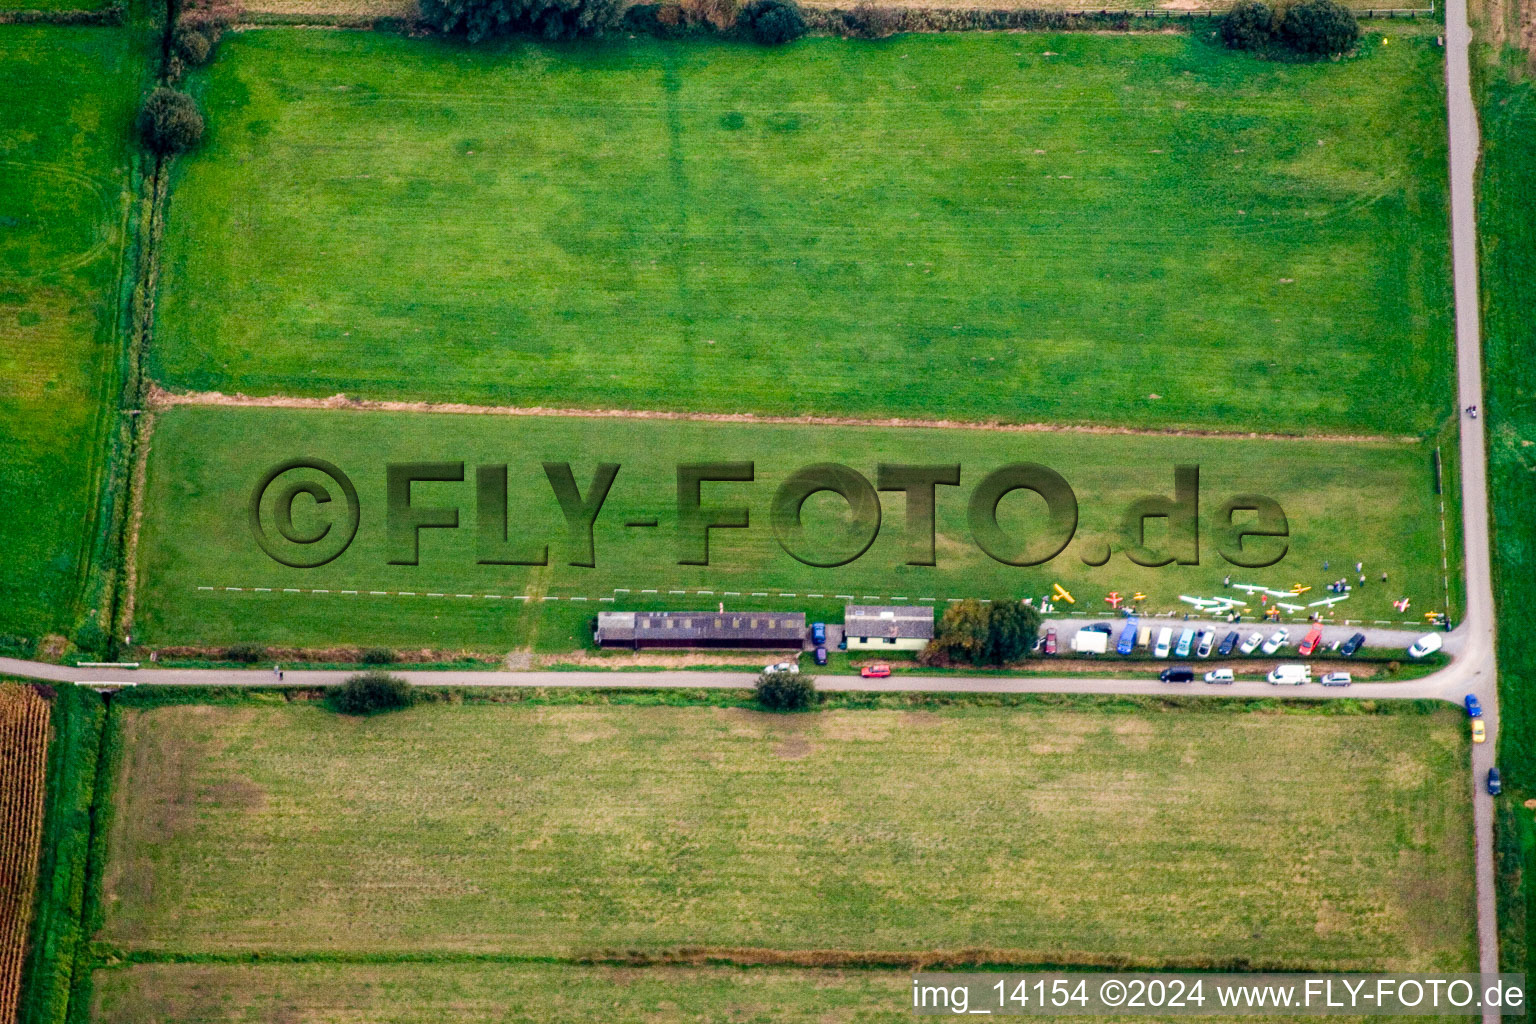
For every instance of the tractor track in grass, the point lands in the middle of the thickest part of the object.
(159, 398)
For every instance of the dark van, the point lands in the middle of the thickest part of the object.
(1177, 674)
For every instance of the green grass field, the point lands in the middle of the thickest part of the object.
(1345, 502)
(65, 170)
(1144, 230)
(1044, 835)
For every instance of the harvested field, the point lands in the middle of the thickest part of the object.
(823, 839)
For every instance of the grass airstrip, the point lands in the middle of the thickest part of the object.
(1147, 230)
(1344, 502)
(570, 830)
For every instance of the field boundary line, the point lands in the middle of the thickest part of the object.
(160, 398)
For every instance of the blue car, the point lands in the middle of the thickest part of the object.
(1474, 709)
(1495, 785)
(1127, 642)
(818, 633)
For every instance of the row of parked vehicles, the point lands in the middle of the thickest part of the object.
(1200, 643)
(1280, 675)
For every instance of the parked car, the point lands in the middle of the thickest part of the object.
(1473, 705)
(1164, 640)
(1204, 643)
(1177, 674)
(1252, 643)
(1127, 642)
(1102, 627)
(1228, 643)
(1276, 640)
(1186, 638)
(783, 666)
(1352, 645)
(1219, 675)
(819, 633)
(1309, 642)
(1290, 675)
(1336, 679)
(875, 671)
(1426, 645)
(1144, 637)
(1479, 732)
(821, 655)
(1495, 784)
(1050, 640)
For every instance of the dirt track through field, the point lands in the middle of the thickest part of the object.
(159, 398)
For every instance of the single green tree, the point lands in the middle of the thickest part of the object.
(1249, 25)
(1320, 27)
(772, 22)
(786, 691)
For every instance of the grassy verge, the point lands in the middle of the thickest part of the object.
(60, 933)
(570, 830)
(1508, 261)
(1345, 502)
(973, 226)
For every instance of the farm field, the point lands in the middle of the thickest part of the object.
(1084, 227)
(508, 994)
(1292, 839)
(65, 176)
(23, 761)
(1345, 502)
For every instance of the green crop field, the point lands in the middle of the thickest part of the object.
(1146, 230)
(1508, 265)
(65, 177)
(1043, 834)
(1345, 502)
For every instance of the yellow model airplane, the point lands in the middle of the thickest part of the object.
(1061, 594)
(1297, 588)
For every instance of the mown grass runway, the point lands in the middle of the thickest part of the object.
(1144, 230)
(1052, 835)
(1345, 502)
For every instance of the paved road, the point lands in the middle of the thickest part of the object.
(1473, 670)
(1477, 663)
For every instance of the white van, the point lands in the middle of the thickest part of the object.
(1090, 641)
(1219, 675)
(1164, 641)
(1290, 675)
(1425, 645)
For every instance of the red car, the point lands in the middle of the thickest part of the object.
(1050, 640)
(875, 671)
(1309, 644)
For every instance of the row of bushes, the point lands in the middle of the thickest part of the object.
(769, 22)
(251, 654)
(115, 14)
(1315, 27)
(376, 692)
